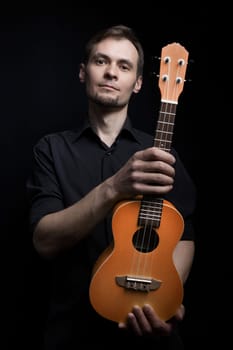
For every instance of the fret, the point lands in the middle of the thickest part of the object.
(150, 212)
(165, 126)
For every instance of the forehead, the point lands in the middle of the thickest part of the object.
(116, 49)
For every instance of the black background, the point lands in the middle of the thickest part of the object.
(41, 93)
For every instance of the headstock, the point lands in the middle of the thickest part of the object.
(173, 65)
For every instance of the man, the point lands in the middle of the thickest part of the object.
(77, 179)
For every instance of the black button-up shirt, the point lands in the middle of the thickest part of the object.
(67, 165)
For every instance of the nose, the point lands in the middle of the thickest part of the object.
(111, 71)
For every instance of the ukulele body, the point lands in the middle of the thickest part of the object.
(124, 276)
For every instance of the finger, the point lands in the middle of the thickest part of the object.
(155, 166)
(133, 324)
(154, 153)
(180, 313)
(141, 320)
(159, 327)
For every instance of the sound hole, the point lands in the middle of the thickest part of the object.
(145, 239)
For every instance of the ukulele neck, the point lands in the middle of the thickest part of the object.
(165, 126)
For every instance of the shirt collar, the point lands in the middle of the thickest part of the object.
(85, 126)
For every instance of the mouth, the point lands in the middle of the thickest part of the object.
(108, 87)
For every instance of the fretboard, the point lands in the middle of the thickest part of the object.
(151, 207)
(165, 126)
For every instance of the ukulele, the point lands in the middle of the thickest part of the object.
(137, 268)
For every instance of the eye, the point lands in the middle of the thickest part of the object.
(125, 67)
(100, 61)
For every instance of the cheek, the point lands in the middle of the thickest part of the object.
(91, 87)
(92, 81)
(129, 88)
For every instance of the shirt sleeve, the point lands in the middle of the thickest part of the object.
(42, 186)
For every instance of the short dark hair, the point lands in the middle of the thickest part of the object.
(118, 32)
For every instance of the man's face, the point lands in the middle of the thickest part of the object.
(111, 73)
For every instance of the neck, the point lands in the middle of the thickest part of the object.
(107, 125)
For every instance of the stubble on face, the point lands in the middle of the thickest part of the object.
(106, 101)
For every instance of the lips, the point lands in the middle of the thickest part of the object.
(109, 87)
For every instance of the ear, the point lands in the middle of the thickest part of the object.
(82, 73)
(138, 84)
